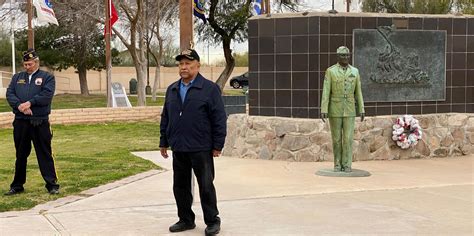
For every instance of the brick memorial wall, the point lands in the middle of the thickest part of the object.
(289, 53)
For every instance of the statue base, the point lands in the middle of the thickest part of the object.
(353, 173)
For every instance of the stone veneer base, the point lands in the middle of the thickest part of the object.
(296, 139)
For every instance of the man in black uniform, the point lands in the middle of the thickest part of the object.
(30, 94)
(193, 124)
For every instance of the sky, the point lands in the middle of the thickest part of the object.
(213, 54)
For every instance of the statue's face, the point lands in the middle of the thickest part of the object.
(343, 59)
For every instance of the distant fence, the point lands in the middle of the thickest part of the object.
(5, 78)
(67, 81)
(63, 84)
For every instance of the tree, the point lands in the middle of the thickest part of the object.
(227, 22)
(135, 18)
(60, 49)
(241, 60)
(418, 6)
(82, 44)
(465, 6)
(5, 51)
(77, 41)
(136, 40)
(169, 53)
(165, 12)
(133, 38)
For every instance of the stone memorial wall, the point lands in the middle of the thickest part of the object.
(290, 139)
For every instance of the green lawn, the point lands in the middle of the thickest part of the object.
(71, 101)
(86, 156)
(234, 92)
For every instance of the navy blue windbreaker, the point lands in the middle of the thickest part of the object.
(39, 91)
(198, 124)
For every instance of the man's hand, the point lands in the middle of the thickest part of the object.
(216, 153)
(24, 106)
(324, 116)
(164, 152)
(362, 116)
(28, 112)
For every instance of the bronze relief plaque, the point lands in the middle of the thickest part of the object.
(401, 65)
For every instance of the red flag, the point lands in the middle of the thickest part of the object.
(113, 16)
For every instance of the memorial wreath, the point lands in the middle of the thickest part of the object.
(406, 131)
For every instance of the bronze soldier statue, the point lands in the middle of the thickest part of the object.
(341, 92)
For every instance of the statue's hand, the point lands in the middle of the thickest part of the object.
(362, 116)
(324, 116)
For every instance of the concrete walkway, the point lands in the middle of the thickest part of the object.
(257, 197)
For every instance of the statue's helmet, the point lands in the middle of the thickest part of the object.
(343, 50)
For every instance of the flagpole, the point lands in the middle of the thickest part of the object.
(108, 62)
(13, 52)
(31, 36)
(13, 39)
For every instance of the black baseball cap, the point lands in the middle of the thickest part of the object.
(190, 54)
(29, 55)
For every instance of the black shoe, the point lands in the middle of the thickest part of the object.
(13, 192)
(181, 226)
(212, 229)
(53, 191)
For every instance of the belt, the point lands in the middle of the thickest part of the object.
(345, 96)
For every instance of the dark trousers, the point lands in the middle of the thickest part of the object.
(203, 165)
(23, 133)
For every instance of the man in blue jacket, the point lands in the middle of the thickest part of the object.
(193, 124)
(30, 94)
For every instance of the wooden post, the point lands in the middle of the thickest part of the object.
(108, 61)
(185, 24)
(31, 35)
